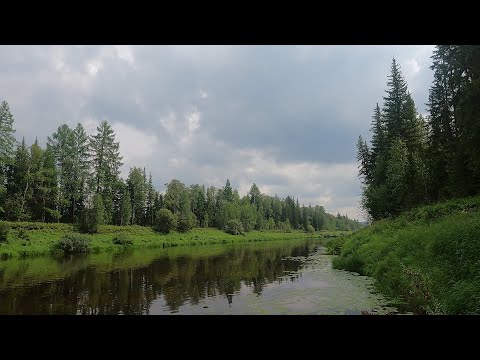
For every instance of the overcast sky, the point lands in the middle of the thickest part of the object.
(284, 117)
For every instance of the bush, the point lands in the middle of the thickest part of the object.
(4, 229)
(75, 243)
(92, 217)
(234, 227)
(335, 245)
(40, 226)
(284, 226)
(165, 221)
(122, 239)
(186, 221)
(310, 229)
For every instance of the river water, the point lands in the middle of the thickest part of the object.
(284, 277)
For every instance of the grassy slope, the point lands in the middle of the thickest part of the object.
(429, 257)
(42, 238)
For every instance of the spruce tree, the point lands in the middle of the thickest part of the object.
(228, 192)
(19, 185)
(7, 142)
(106, 160)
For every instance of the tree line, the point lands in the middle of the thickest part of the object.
(76, 178)
(413, 161)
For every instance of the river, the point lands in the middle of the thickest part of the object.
(279, 277)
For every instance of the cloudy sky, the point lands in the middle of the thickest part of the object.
(284, 117)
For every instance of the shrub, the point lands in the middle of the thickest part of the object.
(284, 226)
(40, 226)
(75, 243)
(335, 245)
(310, 229)
(165, 221)
(186, 221)
(234, 227)
(122, 239)
(4, 229)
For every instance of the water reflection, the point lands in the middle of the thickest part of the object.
(131, 283)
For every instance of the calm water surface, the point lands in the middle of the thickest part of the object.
(285, 277)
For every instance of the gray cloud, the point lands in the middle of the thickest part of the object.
(205, 113)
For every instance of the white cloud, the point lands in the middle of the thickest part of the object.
(331, 185)
(193, 120)
(125, 53)
(284, 117)
(351, 212)
(136, 146)
(169, 124)
(415, 67)
(93, 67)
(90, 125)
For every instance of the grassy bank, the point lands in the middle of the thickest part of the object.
(32, 239)
(427, 258)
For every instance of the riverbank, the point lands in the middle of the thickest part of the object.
(34, 239)
(427, 258)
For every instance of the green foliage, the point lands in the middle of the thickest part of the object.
(234, 227)
(150, 202)
(137, 190)
(106, 158)
(228, 192)
(165, 221)
(334, 245)
(412, 161)
(122, 239)
(284, 226)
(177, 197)
(394, 178)
(125, 208)
(310, 229)
(427, 257)
(92, 216)
(43, 238)
(4, 229)
(248, 216)
(7, 142)
(364, 157)
(254, 194)
(75, 243)
(57, 183)
(38, 226)
(22, 234)
(18, 184)
(69, 148)
(186, 221)
(270, 224)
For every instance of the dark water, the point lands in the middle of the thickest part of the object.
(287, 277)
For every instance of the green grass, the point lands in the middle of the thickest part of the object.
(44, 238)
(427, 258)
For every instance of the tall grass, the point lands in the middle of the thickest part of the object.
(427, 258)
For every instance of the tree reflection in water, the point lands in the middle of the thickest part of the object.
(84, 288)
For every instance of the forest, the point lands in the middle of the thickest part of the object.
(421, 183)
(76, 178)
(414, 161)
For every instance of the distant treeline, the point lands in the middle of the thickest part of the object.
(412, 160)
(75, 172)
